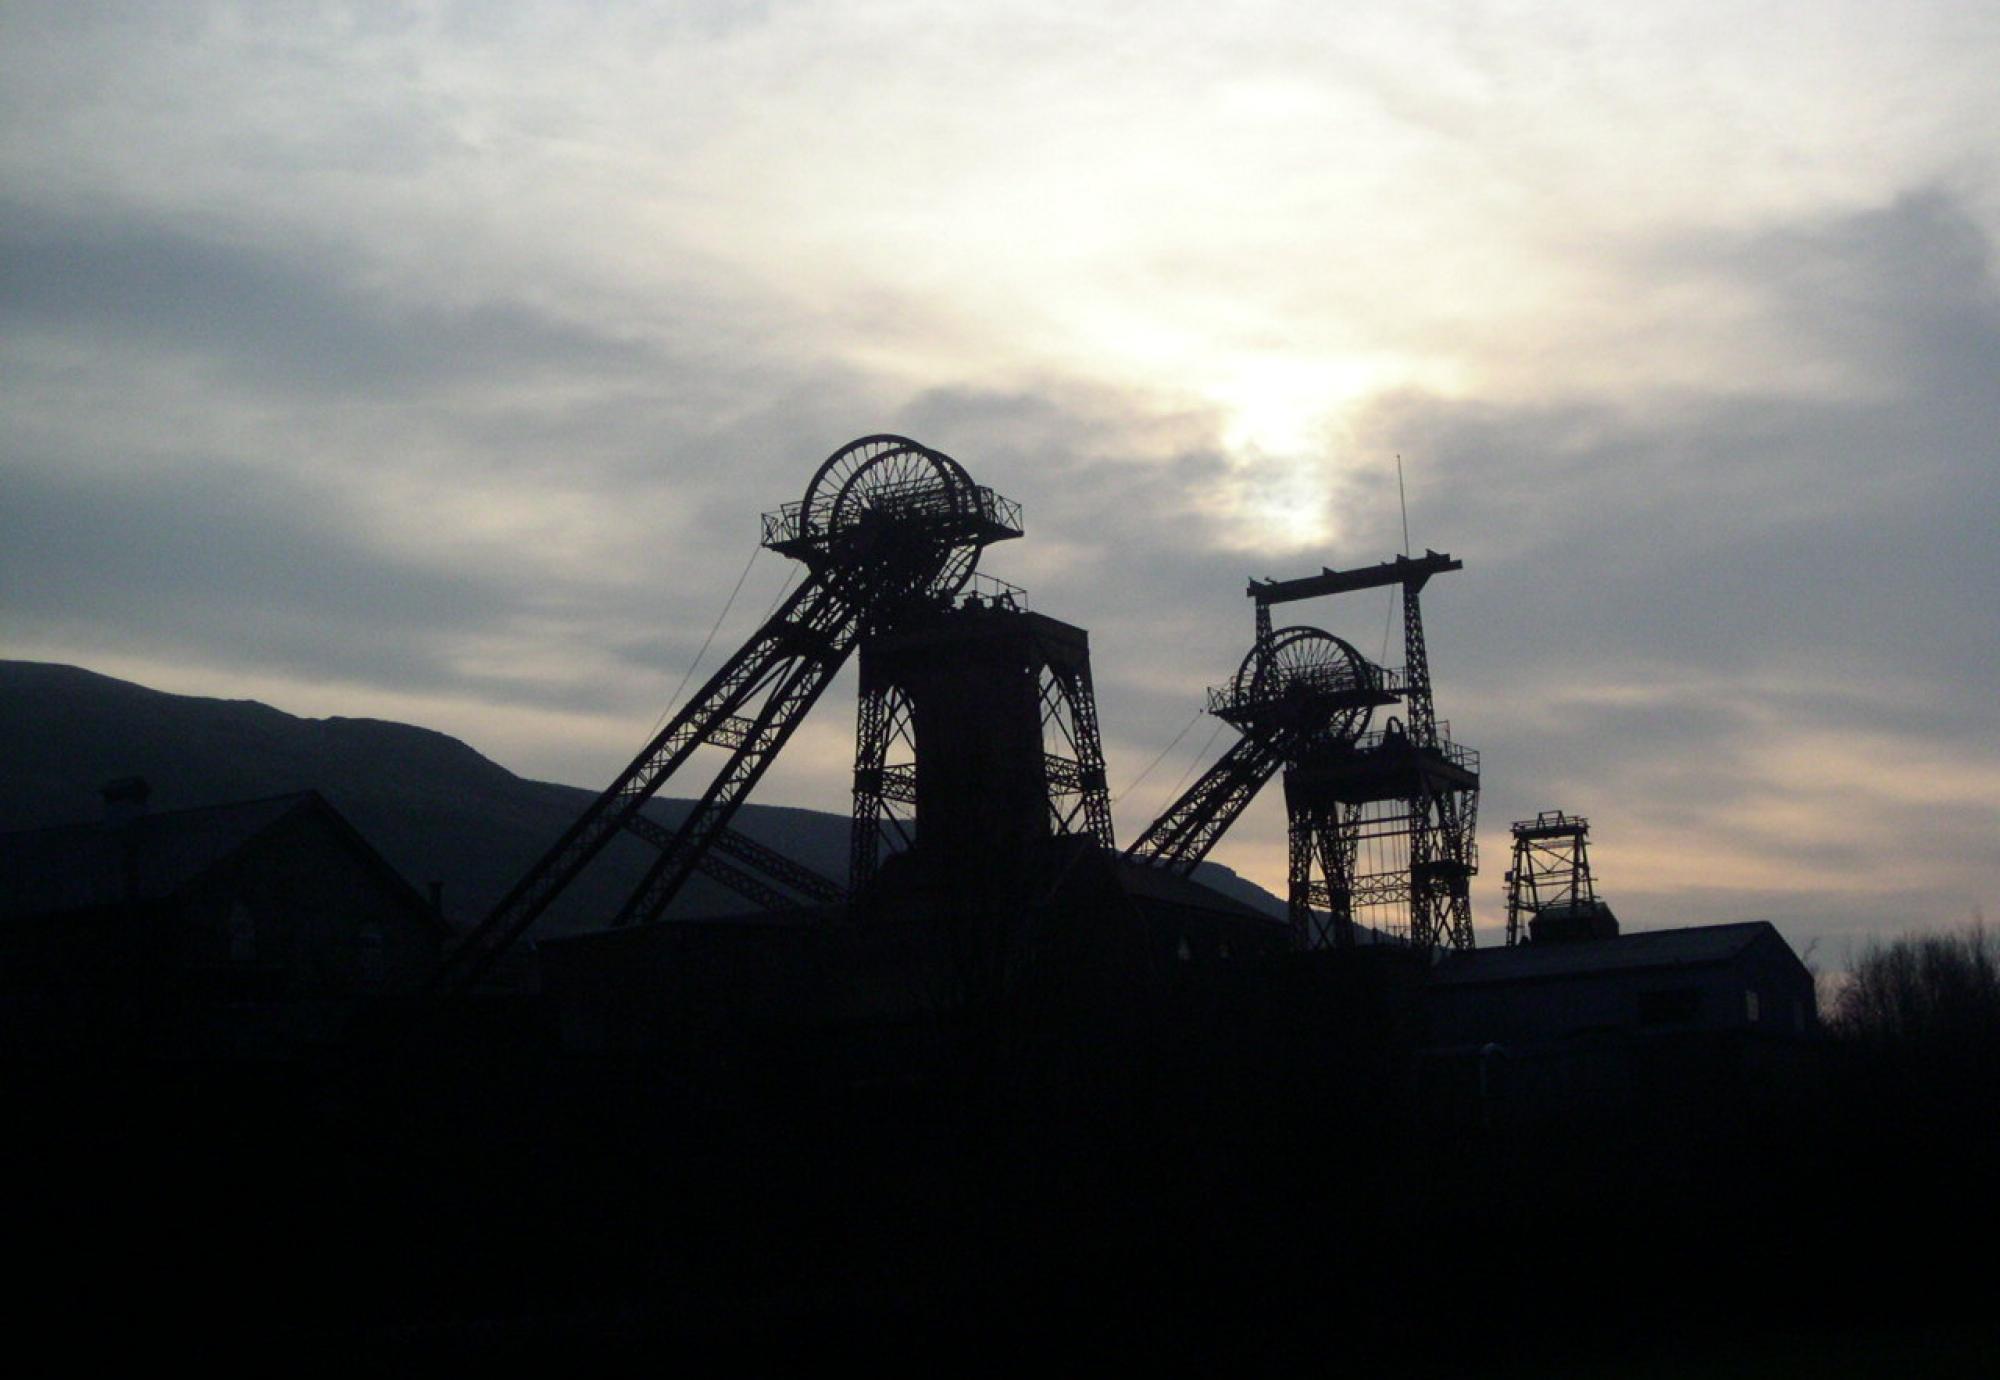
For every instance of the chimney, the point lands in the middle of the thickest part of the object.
(125, 799)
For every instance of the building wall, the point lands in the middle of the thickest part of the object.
(1762, 989)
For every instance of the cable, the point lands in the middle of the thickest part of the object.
(714, 628)
(1175, 793)
(791, 575)
(1130, 785)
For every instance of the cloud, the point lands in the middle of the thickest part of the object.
(268, 319)
(213, 557)
(1729, 531)
(246, 454)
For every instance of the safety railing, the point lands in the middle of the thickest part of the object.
(916, 500)
(1329, 682)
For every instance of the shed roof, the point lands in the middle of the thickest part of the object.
(1693, 946)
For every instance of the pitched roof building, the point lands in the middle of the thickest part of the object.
(1738, 977)
(133, 930)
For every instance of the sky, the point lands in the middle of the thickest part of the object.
(434, 362)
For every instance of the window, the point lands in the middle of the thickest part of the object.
(1750, 1005)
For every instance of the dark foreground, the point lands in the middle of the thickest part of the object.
(1172, 1201)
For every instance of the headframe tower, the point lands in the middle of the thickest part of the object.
(1380, 823)
(1381, 826)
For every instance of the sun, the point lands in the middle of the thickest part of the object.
(1281, 422)
(1282, 407)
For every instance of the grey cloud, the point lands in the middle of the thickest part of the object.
(276, 571)
(1125, 492)
(1775, 565)
(293, 319)
(1906, 289)
(1842, 536)
(216, 557)
(183, 548)
(1835, 546)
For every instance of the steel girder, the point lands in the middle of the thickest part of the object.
(1079, 794)
(885, 793)
(1183, 834)
(887, 814)
(778, 673)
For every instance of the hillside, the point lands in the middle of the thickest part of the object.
(436, 808)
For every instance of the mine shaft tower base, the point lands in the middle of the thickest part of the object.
(1000, 701)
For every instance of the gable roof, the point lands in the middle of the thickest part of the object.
(151, 857)
(1694, 946)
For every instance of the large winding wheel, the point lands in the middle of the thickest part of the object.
(1301, 684)
(894, 520)
(1296, 689)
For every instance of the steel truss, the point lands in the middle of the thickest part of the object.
(1442, 813)
(1073, 751)
(1188, 828)
(1550, 879)
(885, 791)
(886, 527)
(1380, 825)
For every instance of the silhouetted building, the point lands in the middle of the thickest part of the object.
(1192, 923)
(248, 928)
(1741, 977)
(1681, 1022)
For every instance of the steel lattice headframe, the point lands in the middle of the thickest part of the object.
(886, 525)
(1381, 824)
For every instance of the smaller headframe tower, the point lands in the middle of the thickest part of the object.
(1551, 895)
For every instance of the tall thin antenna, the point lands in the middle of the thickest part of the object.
(1403, 501)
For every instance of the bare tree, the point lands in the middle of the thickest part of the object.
(1934, 991)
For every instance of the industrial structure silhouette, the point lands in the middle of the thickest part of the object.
(1003, 1064)
(979, 771)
